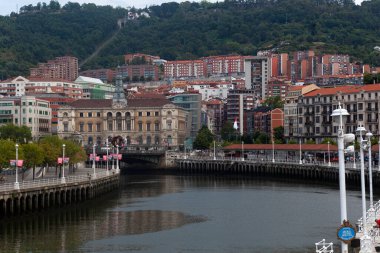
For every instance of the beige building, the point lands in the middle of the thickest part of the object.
(144, 121)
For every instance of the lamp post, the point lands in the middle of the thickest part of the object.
(300, 152)
(16, 185)
(337, 116)
(354, 158)
(214, 151)
(63, 179)
(93, 161)
(242, 150)
(113, 159)
(365, 241)
(369, 135)
(107, 172)
(328, 150)
(117, 159)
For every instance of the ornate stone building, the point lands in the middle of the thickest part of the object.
(150, 120)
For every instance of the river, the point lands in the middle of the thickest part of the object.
(187, 214)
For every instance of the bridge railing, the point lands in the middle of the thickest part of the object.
(52, 181)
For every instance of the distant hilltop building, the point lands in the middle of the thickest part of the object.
(65, 67)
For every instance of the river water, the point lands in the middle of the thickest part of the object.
(187, 214)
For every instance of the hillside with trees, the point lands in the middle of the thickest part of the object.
(187, 31)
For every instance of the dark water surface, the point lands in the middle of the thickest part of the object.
(187, 214)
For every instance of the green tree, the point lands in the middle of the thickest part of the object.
(279, 135)
(52, 147)
(204, 138)
(228, 133)
(15, 133)
(274, 102)
(34, 156)
(75, 152)
(8, 152)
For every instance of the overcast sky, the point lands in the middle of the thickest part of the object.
(7, 6)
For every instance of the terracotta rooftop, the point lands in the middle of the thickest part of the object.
(107, 103)
(348, 89)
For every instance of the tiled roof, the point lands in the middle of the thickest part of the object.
(296, 87)
(348, 89)
(107, 103)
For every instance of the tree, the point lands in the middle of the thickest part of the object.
(51, 146)
(8, 152)
(15, 133)
(34, 155)
(74, 152)
(279, 135)
(274, 102)
(228, 132)
(204, 138)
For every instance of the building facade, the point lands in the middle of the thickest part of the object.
(27, 111)
(65, 67)
(143, 121)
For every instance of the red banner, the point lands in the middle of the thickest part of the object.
(59, 160)
(19, 163)
(120, 156)
(97, 159)
(104, 158)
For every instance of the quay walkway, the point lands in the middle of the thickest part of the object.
(50, 191)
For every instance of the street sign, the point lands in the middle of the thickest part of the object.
(346, 232)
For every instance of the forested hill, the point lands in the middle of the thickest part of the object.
(187, 31)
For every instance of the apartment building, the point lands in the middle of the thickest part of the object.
(224, 65)
(185, 69)
(94, 88)
(27, 111)
(257, 74)
(315, 108)
(65, 67)
(106, 75)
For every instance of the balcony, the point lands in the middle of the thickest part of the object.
(308, 123)
(372, 120)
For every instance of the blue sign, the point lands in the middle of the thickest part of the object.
(346, 233)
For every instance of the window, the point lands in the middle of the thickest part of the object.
(65, 127)
(140, 114)
(98, 114)
(316, 119)
(110, 126)
(148, 114)
(360, 116)
(148, 127)
(156, 126)
(90, 114)
(81, 114)
(140, 126)
(156, 114)
(169, 124)
(89, 126)
(81, 127)
(148, 140)
(98, 127)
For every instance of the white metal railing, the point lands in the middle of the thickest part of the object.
(324, 247)
(54, 181)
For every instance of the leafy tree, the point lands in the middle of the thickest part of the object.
(310, 141)
(204, 138)
(228, 133)
(326, 140)
(34, 156)
(52, 147)
(274, 102)
(261, 138)
(8, 152)
(15, 133)
(75, 152)
(279, 135)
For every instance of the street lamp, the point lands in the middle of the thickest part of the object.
(117, 159)
(242, 150)
(300, 152)
(328, 150)
(369, 135)
(16, 185)
(93, 160)
(214, 151)
(63, 179)
(113, 159)
(107, 172)
(339, 115)
(365, 241)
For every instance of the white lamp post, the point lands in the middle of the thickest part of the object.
(365, 241)
(354, 157)
(113, 159)
(107, 172)
(16, 185)
(184, 148)
(117, 159)
(300, 152)
(369, 135)
(63, 179)
(328, 150)
(337, 116)
(242, 150)
(273, 151)
(214, 151)
(93, 160)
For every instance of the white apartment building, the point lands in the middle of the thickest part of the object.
(27, 111)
